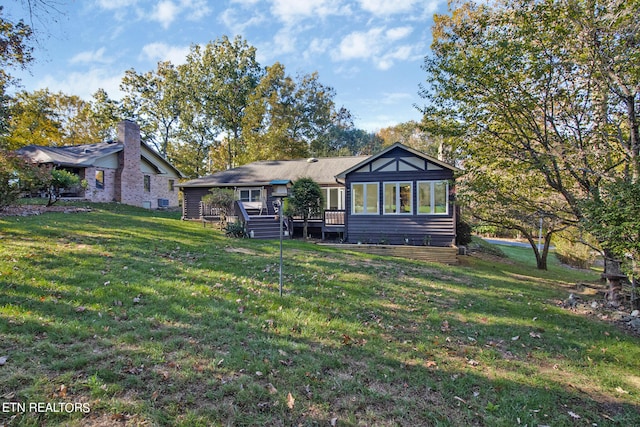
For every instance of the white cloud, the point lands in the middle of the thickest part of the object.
(85, 84)
(284, 41)
(359, 45)
(197, 9)
(376, 45)
(317, 47)
(163, 52)
(238, 24)
(116, 4)
(386, 7)
(165, 12)
(398, 33)
(290, 11)
(90, 57)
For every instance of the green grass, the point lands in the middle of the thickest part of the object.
(150, 320)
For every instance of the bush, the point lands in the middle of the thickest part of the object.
(463, 233)
(236, 230)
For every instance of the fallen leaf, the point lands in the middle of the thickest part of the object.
(618, 389)
(534, 335)
(272, 389)
(334, 422)
(516, 338)
(63, 391)
(346, 339)
(574, 415)
(290, 401)
(430, 363)
(3, 360)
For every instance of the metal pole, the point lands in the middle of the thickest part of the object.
(540, 237)
(280, 214)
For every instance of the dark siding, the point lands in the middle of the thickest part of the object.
(191, 201)
(434, 230)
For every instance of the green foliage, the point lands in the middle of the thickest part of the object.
(572, 250)
(59, 180)
(221, 199)
(10, 168)
(236, 230)
(305, 200)
(463, 232)
(614, 218)
(15, 52)
(542, 111)
(18, 175)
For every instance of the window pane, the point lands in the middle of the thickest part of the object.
(372, 198)
(333, 200)
(99, 180)
(390, 198)
(255, 195)
(405, 198)
(357, 198)
(147, 183)
(244, 195)
(440, 197)
(424, 197)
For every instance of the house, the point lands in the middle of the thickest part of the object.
(126, 170)
(397, 196)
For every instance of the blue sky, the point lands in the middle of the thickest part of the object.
(369, 51)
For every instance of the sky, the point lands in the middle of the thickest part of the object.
(369, 51)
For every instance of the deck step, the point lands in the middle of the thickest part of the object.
(263, 227)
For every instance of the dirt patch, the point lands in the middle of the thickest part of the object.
(29, 210)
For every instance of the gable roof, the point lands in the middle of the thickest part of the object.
(419, 154)
(87, 155)
(321, 170)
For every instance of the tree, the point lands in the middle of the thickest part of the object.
(496, 196)
(306, 200)
(221, 76)
(154, 100)
(58, 180)
(15, 51)
(222, 201)
(16, 176)
(545, 85)
(33, 121)
(615, 221)
(104, 115)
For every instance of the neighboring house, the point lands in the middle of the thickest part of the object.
(398, 196)
(126, 171)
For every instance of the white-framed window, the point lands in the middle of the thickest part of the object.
(398, 198)
(433, 197)
(250, 194)
(334, 198)
(364, 198)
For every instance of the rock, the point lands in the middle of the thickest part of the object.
(635, 323)
(635, 313)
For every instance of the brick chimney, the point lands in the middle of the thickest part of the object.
(129, 179)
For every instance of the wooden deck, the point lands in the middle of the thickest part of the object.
(443, 255)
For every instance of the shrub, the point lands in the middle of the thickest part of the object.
(463, 233)
(236, 230)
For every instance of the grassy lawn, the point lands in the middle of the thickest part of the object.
(132, 317)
